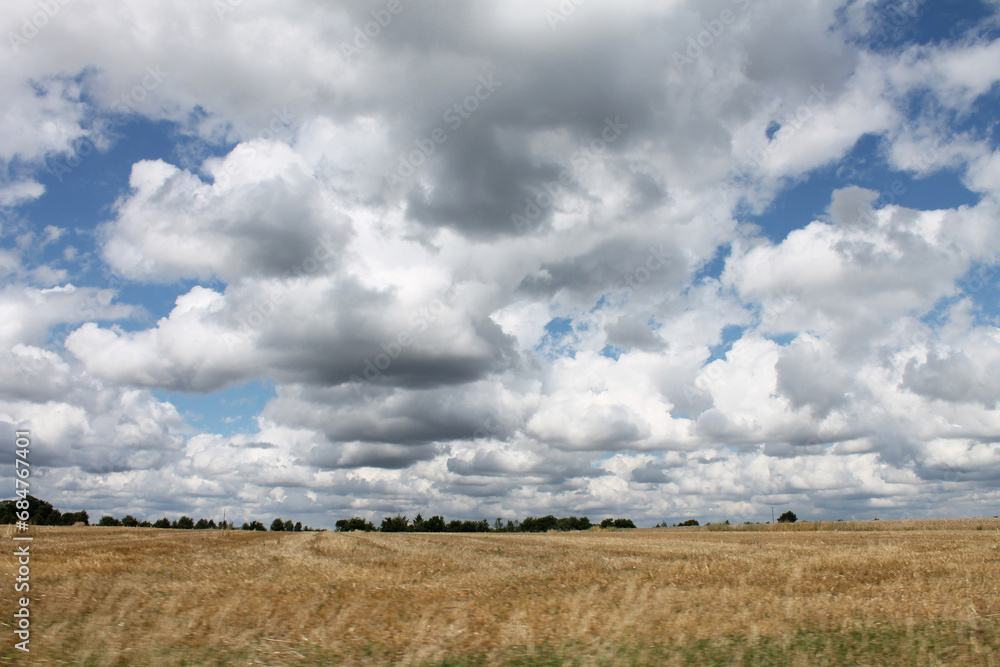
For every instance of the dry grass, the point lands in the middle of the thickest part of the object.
(929, 594)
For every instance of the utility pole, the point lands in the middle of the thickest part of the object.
(772, 514)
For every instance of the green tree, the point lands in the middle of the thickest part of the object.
(201, 525)
(289, 526)
(70, 518)
(162, 523)
(130, 521)
(354, 523)
(395, 524)
(788, 517)
(108, 520)
(40, 512)
(185, 523)
(277, 525)
(298, 527)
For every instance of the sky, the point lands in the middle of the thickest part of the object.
(660, 260)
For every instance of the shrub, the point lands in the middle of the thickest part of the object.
(689, 522)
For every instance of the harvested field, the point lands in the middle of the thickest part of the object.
(891, 593)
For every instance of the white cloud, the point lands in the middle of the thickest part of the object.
(406, 321)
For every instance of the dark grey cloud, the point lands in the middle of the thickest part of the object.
(955, 377)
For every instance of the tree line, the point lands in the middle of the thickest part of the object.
(787, 517)
(187, 523)
(41, 513)
(437, 524)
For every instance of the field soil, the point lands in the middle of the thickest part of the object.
(878, 593)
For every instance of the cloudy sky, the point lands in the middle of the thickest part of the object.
(661, 260)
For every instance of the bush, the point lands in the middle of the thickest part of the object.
(624, 523)
(788, 517)
(689, 522)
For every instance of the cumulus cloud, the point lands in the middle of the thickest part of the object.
(505, 258)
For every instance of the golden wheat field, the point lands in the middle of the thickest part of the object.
(876, 593)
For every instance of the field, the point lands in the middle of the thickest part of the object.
(877, 593)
